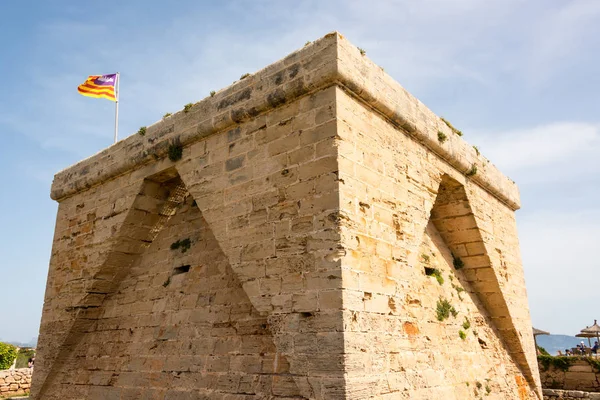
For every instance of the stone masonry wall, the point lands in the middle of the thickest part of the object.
(15, 382)
(580, 376)
(557, 394)
(393, 334)
(288, 253)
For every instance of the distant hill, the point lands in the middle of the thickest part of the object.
(553, 343)
(31, 343)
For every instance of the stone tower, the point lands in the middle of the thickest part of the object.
(312, 231)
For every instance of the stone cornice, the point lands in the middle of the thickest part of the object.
(328, 61)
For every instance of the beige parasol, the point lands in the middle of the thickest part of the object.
(592, 331)
(587, 335)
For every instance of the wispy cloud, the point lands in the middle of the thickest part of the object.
(558, 34)
(545, 153)
(481, 63)
(561, 267)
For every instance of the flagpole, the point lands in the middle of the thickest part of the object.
(117, 107)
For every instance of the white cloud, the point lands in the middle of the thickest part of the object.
(432, 46)
(558, 34)
(543, 153)
(420, 43)
(559, 250)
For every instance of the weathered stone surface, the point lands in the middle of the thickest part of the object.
(288, 253)
(580, 376)
(559, 394)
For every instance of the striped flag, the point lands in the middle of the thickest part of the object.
(99, 86)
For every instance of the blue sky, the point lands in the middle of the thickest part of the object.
(518, 77)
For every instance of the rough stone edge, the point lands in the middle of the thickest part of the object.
(561, 393)
(368, 81)
(334, 61)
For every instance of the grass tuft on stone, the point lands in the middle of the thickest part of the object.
(435, 273)
(444, 309)
(457, 262)
(442, 137)
(175, 151)
(466, 324)
(456, 131)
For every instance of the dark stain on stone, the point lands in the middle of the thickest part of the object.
(253, 112)
(293, 70)
(234, 134)
(239, 115)
(279, 78)
(234, 163)
(297, 88)
(392, 304)
(276, 98)
(235, 98)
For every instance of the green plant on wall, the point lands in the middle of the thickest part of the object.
(459, 133)
(457, 262)
(562, 363)
(175, 151)
(459, 290)
(543, 351)
(442, 137)
(8, 353)
(466, 324)
(444, 309)
(435, 273)
(594, 363)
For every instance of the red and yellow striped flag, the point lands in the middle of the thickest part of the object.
(99, 86)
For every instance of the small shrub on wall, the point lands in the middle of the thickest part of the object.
(8, 353)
